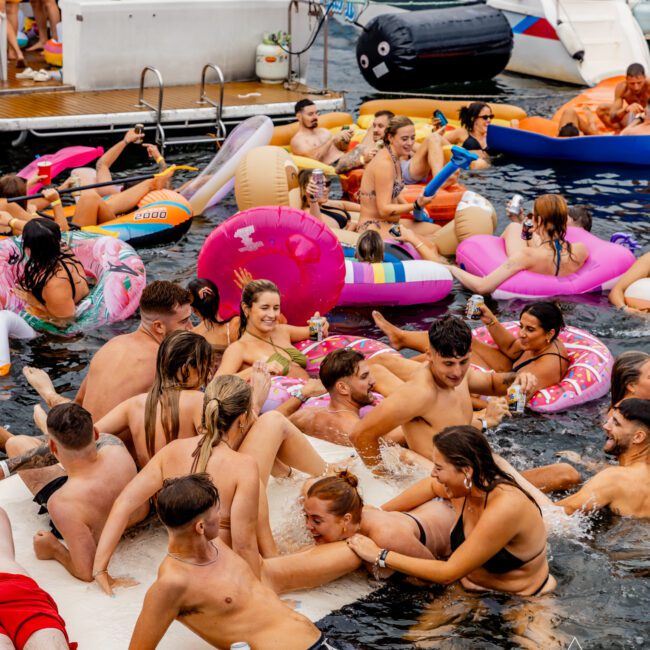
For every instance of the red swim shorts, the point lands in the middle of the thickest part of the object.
(25, 608)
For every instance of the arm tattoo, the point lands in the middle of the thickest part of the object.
(41, 456)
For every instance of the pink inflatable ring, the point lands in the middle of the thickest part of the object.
(288, 246)
(588, 377)
(606, 263)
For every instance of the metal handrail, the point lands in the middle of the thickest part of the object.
(143, 102)
(204, 99)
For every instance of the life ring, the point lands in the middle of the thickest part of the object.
(482, 254)
(115, 267)
(588, 376)
(267, 176)
(288, 246)
(637, 295)
(409, 282)
(215, 181)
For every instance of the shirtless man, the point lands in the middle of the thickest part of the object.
(623, 488)
(126, 365)
(630, 99)
(349, 382)
(29, 618)
(641, 123)
(208, 588)
(367, 149)
(573, 124)
(79, 493)
(314, 142)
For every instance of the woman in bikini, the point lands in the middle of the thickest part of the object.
(472, 132)
(263, 338)
(383, 182)
(334, 214)
(52, 280)
(547, 252)
(172, 409)
(499, 540)
(334, 510)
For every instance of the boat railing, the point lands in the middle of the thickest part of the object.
(204, 99)
(142, 102)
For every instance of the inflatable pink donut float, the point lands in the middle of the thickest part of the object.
(606, 263)
(279, 394)
(316, 351)
(588, 377)
(288, 246)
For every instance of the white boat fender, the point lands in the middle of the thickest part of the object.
(570, 39)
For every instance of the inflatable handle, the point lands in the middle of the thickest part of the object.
(625, 239)
(460, 159)
(302, 250)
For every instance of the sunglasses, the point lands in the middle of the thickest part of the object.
(485, 117)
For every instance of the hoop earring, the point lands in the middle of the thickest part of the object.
(467, 482)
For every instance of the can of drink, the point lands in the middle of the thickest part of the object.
(514, 205)
(516, 398)
(240, 645)
(75, 181)
(45, 171)
(316, 324)
(395, 230)
(319, 180)
(139, 129)
(472, 309)
(527, 229)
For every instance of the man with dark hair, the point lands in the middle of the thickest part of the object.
(630, 99)
(437, 395)
(574, 124)
(208, 588)
(347, 377)
(314, 142)
(126, 365)
(623, 488)
(580, 217)
(78, 494)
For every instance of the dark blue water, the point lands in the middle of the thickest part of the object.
(603, 596)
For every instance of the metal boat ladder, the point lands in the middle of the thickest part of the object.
(162, 139)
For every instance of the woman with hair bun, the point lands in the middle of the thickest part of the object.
(205, 304)
(472, 132)
(335, 511)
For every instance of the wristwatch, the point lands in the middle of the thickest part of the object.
(296, 391)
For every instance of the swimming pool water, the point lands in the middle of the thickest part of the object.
(603, 565)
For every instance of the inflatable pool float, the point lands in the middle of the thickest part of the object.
(116, 269)
(215, 181)
(637, 295)
(53, 53)
(425, 108)
(12, 326)
(413, 282)
(140, 553)
(588, 377)
(606, 263)
(288, 246)
(66, 158)
(523, 143)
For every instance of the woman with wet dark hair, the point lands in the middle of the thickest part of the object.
(52, 280)
(472, 133)
(630, 376)
(499, 540)
(205, 304)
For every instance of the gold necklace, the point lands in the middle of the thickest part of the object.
(180, 559)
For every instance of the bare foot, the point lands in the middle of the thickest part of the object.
(39, 45)
(4, 436)
(393, 332)
(40, 381)
(40, 418)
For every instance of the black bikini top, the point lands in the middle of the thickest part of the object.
(502, 561)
